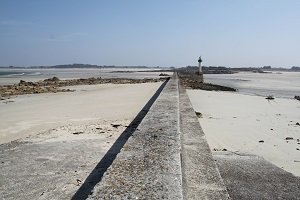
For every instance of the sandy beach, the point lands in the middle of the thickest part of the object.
(251, 124)
(29, 114)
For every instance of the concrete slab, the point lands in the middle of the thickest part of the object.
(252, 177)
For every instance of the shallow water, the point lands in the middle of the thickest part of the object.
(11, 76)
(278, 84)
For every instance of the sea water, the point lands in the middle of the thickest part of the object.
(277, 84)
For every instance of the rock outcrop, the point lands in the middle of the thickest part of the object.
(53, 85)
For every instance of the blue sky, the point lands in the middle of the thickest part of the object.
(236, 33)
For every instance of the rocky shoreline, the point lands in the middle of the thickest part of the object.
(53, 85)
(192, 81)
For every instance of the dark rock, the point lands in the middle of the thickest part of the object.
(22, 82)
(289, 138)
(297, 97)
(199, 114)
(298, 124)
(77, 133)
(261, 141)
(270, 97)
(115, 125)
(163, 74)
(54, 79)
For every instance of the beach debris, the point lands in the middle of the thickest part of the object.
(198, 114)
(270, 97)
(78, 182)
(77, 133)
(298, 124)
(98, 128)
(289, 138)
(297, 97)
(215, 149)
(115, 125)
(261, 141)
(271, 129)
(298, 149)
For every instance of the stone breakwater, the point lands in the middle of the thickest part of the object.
(164, 158)
(53, 85)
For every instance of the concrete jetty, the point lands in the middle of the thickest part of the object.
(167, 157)
(200, 175)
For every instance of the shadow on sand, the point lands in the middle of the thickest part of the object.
(96, 175)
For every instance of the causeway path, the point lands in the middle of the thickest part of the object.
(167, 156)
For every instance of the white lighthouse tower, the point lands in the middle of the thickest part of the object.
(200, 66)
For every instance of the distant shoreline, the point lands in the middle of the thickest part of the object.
(206, 69)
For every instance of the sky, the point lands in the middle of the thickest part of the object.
(232, 33)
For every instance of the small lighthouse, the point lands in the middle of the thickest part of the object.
(200, 66)
(200, 70)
